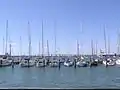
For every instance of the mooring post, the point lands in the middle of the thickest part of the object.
(48, 61)
(28, 62)
(59, 64)
(90, 62)
(12, 63)
(74, 63)
(106, 61)
(44, 62)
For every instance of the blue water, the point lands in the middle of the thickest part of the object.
(65, 77)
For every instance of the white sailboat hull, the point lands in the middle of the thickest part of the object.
(111, 63)
(40, 64)
(55, 64)
(118, 62)
(104, 62)
(5, 63)
(68, 64)
(27, 64)
(81, 64)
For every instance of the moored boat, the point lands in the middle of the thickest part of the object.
(41, 62)
(118, 61)
(109, 62)
(82, 64)
(54, 63)
(4, 62)
(27, 63)
(68, 63)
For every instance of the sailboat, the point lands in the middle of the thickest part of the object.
(28, 62)
(54, 60)
(81, 61)
(14, 61)
(93, 62)
(41, 61)
(68, 63)
(4, 60)
(20, 58)
(118, 59)
(107, 61)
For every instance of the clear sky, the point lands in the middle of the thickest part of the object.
(75, 19)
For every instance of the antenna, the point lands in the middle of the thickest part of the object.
(6, 36)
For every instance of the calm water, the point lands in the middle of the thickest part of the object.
(66, 77)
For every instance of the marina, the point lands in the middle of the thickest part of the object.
(60, 44)
(59, 70)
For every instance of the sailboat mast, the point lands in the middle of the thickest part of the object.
(6, 36)
(55, 37)
(39, 47)
(29, 38)
(96, 47)
(42, 41)
(118, 43)
(108, 45)
(20, 46)
(10, 48)
(92, 46)
(105, 41)
(3, 45)
(77, 48)
(48, 48)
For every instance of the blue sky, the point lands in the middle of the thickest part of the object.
(75, 19)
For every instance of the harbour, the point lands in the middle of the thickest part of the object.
(59, 44)
(95, 70)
